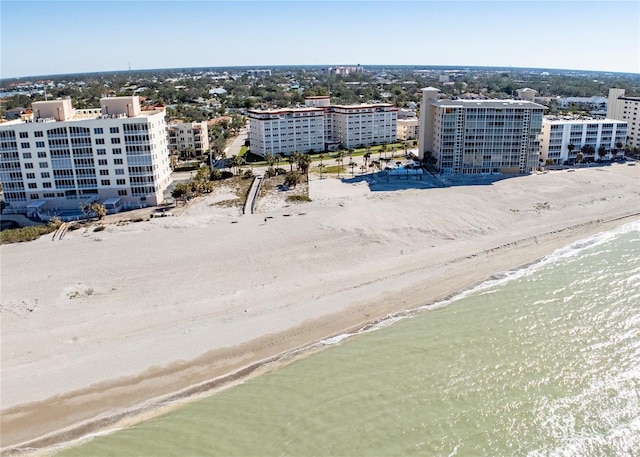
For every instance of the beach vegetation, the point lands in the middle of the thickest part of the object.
(298, 198)
(94, 209)
(19, 235)
(292, 179)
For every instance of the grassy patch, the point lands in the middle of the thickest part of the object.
(298, 198)
(20, 235)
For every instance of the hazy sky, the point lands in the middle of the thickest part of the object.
(54, 37)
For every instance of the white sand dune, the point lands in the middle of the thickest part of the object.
(101, 322)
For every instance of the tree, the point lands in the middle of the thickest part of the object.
(304, 162)
(383, 149)
(366, 156)
(602, 151)
(579, 157)
(94, 209)
(235, 162)
(587, 150)
(271, 160)
(340, 160)
(291, 159)
(352, 164)
(292, 179)
(570, 148)
(321, 167)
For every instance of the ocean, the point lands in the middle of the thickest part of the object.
(544, 361)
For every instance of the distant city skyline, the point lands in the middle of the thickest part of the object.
(65, 37)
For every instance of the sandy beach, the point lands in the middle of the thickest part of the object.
(100, 324)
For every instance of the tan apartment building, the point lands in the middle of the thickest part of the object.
(188, 138)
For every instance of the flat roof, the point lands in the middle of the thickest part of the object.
(488, 103)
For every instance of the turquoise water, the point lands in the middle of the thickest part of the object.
(545, 361)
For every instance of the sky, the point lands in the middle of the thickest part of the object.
(62, 37)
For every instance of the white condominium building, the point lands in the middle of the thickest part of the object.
(188, 138)
(622, 108)
(361, 125)
(480, 136)
(558, 133)
(283, 131)
(63, 157)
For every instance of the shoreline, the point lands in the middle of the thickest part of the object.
(361, 303)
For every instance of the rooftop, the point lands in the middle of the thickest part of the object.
(488, 103)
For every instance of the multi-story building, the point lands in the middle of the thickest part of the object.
(407, 129)
(188, 138)
(319, 125)
(622, 108)
(559, 132)
(480, 136)
(360, 125)
(63, 157)
(283, 131)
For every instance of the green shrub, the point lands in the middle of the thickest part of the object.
(298, 198)
(27, 233)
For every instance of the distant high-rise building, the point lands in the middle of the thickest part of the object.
(62, 157)
(480, 136)
(623, 108)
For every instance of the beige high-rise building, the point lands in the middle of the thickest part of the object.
(408, 128)
(623, 108)
(116, 154)
(188, 138)
(480, 136)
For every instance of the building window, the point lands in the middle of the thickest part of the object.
(33, 185)
(118, 161)
(44, 174)
(101, 152)
(31, 176)
(122, 192)
(104, 172)
(24, 134)
(117, 151)
(34, 196)
(119, 171)
(49, 194)
(39, 134)
(115, 140)
(39, 144)
(28, 165)
(100, 140)
(97, 131)
(114, 129)
(43, 164)
(121, 182)
(102, 162)
(26, 155)
(42, 155)
(105, 182)
(46, 185)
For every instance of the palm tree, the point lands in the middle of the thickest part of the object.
(278, 159)
(602, 151)
(321, 167)
(235, 162)
(321, 158)
(383, 148)
(352, 164)
(579, 157)
(291, 159)
(340, 160)
(366, 156)
(304, 162)
(271, 160)
(570, 148)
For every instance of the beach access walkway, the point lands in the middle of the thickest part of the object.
(252, 195)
